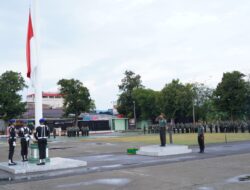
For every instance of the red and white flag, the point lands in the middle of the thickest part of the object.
(30, 34)
(32, 55)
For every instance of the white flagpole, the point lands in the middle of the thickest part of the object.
(37, 70)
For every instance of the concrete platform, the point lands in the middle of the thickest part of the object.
(56, 163)
(157, 150)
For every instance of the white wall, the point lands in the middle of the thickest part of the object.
(54, 102)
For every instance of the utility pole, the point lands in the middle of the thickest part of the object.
(171, 131)
(193, 113)
(134, 114)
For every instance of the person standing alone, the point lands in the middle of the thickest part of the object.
(201, 138)
(162, 125)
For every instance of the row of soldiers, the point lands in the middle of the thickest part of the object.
(41, 134)
(75, 131)
(219, 126)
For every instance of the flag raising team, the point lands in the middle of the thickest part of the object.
(41, 134)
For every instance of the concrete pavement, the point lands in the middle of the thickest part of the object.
(109, 167)
(205, 174)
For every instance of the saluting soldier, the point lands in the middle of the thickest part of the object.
(11, 133)
(41, 135)
(24, 134)
(162, 125)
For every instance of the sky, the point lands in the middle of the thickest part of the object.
(96, 41)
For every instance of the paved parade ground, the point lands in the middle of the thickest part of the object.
(222, 166)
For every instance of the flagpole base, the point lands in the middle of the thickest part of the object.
(34, 153)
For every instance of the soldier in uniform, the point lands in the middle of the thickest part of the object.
(24, 134)
(201, 138)
(54, 133)
(87, 130)
(41, 135)
(162, 125)
(11, 132)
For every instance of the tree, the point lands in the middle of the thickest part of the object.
(176, 100)
(125, 102)
(76, 97)
(130, 82)
(230, 96)
(10, 101)
(202, 101)
(125, 105)
(247, 105)
(146, 103)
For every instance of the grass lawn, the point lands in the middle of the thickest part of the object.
(187, 139)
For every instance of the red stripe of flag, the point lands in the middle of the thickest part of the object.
(29, 36)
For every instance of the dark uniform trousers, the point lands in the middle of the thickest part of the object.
(42, 143)
(201, 142)
(11, 149)
(163, 136)
(24, 147)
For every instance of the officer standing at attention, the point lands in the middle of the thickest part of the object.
(24, 134)
(162, 125)
(54, 132)
(11, 132)
(41, 135)
(201, 138)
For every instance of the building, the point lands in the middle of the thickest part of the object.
(50, 99)
(101, 120)
(52, 105)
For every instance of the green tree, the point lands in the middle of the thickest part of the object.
(76, 97)
(146, 103)
(130, 82)
(125, 102)
(202, 101)
(176, 100)
(247, 105)
(10, 101)
(230, 96)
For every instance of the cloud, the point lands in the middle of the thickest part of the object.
(182, 20)
(96, 41)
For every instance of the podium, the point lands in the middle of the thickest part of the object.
(156, 150)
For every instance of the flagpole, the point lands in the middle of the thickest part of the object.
(37, 70)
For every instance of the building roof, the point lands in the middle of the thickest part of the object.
(47, 113)
(50, 94)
